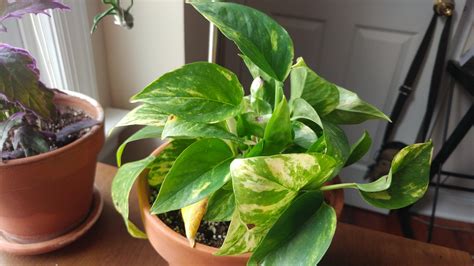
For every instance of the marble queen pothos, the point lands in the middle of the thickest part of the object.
(258, 161)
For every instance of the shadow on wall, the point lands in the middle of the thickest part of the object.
(134, 151)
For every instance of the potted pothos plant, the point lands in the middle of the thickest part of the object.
(49, 143)
(251, 170)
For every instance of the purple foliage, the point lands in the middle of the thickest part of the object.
(30, 140)
(30, 61)
(64, 135)
(10, 155)
(18, 8)
(7, 125)
(20, 75)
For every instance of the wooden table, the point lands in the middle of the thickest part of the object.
(108, 243)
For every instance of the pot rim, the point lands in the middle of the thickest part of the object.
(40, 157)
(143, 194)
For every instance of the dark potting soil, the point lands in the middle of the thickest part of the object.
(67, 117)
(209, 233)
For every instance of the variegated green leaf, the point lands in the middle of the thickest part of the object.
(258, 36)
(352, 110)
(378, 185)
(410, 172)
(265, 186)
(319, 146)
(318, 92)
(261, 107)
(301, 236)
(148, 132)
(359, 149)
(179, 128)
(265, 93)
(304, 135)
(259, 98)
(334, 143)
(199, 170)
(199, 92)
(240, 238)
(303, 110)
(251, 123)
(121, 186)
(256, 150)
(221, 204)
(160, 167)
(146, 115)
(278, 132)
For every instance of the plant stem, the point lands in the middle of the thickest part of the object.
(230, 124)
(339, 186)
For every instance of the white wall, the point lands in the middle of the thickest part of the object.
(100, 56)
(153, 47)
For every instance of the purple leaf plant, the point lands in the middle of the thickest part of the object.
(18, 8)
(26, 104)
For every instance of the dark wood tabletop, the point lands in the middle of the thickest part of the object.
(108, 243)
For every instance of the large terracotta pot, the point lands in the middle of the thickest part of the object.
(175, 249)
(46, 195)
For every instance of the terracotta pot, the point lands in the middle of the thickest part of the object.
(46, 195)
(174, 247)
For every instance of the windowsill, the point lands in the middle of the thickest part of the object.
(112, 117)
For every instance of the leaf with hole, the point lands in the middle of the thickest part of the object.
(265, 186)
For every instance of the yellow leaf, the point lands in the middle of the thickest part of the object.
(192, 216)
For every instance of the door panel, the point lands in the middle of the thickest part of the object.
(299, 28)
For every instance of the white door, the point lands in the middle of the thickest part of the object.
(364, 45)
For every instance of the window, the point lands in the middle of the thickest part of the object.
(61, 45)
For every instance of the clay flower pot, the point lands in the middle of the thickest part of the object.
(175, 249)
(47, 195)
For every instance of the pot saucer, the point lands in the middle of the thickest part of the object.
(9, 246)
